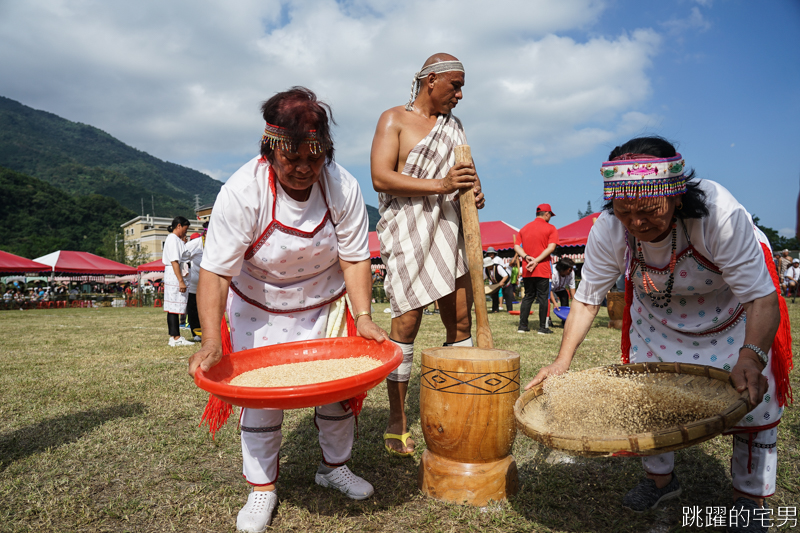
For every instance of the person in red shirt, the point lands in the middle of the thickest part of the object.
(539, 240)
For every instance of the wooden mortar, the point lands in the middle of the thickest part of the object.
(467, 398)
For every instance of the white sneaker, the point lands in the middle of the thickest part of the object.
(347, 482)
(180, 341)
(256, 515)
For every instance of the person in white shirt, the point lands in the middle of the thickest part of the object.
(507, 288)
(791, 277)
(194, 249)
(176, 296)
(497, 275)
(695, 267)
(562, 284)
(287, 238)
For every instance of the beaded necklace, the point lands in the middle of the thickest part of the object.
(658, 298)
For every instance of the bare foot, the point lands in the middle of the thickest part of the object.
(396, 444)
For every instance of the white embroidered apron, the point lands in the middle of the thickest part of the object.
(288, 280)
(703, 324)
(174, 300)
(290, 289)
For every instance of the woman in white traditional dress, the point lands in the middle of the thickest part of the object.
(287, 239)
(695, 266)
(176, 296)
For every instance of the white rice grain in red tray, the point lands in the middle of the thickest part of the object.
(305, 373)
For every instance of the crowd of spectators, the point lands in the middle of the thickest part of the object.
(788, 273)
(19, 293)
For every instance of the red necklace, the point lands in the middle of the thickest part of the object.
(659, 299)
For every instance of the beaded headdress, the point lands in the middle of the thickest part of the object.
(643, 176)
(278, 137)
(441, 66)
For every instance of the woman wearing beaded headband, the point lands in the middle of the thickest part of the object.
(695, 265)
(287, 235)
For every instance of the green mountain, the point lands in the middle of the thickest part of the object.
(84, 160)
(38, 218)
(374, 217)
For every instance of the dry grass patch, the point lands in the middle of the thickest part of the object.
(98, 432)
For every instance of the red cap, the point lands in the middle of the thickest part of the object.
(194, 236)
(545, 207)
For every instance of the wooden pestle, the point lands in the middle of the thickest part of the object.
(471, 229)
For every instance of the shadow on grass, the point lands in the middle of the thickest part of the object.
(58, 431)
(586, 495)
(394, 478)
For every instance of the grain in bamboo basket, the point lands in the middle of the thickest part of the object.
(703, 379)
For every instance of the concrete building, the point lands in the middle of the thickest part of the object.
(204, 212)
(147, 234)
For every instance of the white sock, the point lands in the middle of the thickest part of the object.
(465, 343)
(403, 372)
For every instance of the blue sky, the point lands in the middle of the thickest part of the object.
(552, 85)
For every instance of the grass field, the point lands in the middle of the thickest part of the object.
(99, 432)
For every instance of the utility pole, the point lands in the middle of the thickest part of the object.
(153, 204)
(196, 203)
(117, 239)
(142, 206)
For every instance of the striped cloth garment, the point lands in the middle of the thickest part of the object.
(421, 241)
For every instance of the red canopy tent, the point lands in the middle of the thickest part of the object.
(577, 233)
(496, 234)
(15, 264)
(374, 245)
(152, 266)
(499, 235)
(65, 262)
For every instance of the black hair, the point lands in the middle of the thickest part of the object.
(693, 201)
(177, 221)
(299, 111)
(565, 263)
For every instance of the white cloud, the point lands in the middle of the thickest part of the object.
(183, 80)
(694, 22)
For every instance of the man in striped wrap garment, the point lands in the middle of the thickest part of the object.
(413, 169)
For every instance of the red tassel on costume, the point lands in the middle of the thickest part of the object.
(627, 322)
(352, 331)
(781, 359)
(225, 334)
(356, 403)
(217, 412)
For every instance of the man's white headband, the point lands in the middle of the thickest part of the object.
(441, 66)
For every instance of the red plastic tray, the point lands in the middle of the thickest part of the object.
(217, 378)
